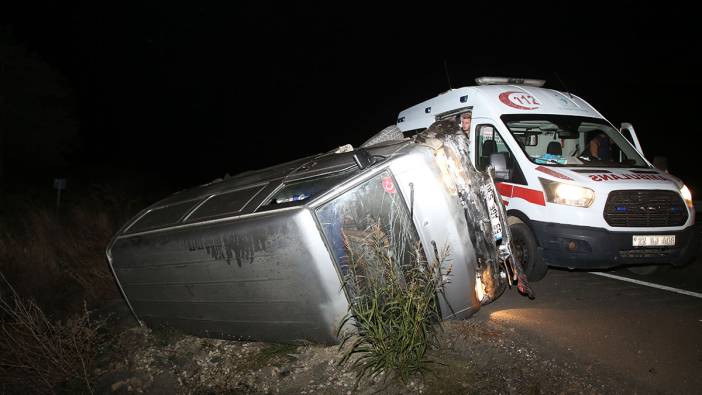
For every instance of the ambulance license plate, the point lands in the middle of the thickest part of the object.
(653, 241)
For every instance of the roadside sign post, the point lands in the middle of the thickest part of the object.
(59, 185)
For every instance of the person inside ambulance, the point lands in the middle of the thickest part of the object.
(466, 119)
(599, 146)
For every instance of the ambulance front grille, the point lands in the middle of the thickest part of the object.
(645, 208)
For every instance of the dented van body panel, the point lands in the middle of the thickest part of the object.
(229, 277)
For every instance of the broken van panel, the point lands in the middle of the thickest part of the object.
(262, 255)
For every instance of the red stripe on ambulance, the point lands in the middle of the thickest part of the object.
(553, 173)
(515, 191)
(504, 189)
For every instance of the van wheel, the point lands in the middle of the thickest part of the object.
(525, 251)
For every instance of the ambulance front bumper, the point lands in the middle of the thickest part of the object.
(582, 247)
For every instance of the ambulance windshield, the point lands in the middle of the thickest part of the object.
(562, 140)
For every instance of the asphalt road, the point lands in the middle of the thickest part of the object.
(650, 337)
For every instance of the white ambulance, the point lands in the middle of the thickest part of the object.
(578, 191)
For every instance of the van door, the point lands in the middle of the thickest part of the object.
(627, 130)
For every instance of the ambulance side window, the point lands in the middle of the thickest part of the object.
(489, 141)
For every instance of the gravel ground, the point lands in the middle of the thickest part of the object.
(475, 356)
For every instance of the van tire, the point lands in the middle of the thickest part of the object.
(525, 250)
(390, 133)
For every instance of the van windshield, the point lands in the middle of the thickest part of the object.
(562, 140)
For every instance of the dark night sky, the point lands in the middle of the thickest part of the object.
(185, 93)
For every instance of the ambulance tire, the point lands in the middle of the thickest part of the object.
(526, 251)
(390, 133)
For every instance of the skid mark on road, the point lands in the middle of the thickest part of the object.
(652, 285)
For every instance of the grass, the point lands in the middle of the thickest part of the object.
(393, 308)
(275, 353)
(52, 271)
(42, 355)
(57, 257)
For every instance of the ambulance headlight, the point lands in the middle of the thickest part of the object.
(568, 194)
(686, 195)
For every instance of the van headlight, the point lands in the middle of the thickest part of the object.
(568, 194)
(686, 195)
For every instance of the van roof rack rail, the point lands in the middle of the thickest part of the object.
(506, 80)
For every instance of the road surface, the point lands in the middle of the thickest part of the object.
(651, 337)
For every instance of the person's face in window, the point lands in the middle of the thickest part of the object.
(465, 124)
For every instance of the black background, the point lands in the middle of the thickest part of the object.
(182, 93)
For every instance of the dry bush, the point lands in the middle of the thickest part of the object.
(58, 257)
(38, 355)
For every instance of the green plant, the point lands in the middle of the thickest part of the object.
(393, 306)
(275, 353)
(39, 354)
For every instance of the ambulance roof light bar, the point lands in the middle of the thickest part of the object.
(505, 80)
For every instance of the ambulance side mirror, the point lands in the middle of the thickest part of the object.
(627, 130)
(660, 162)
(499, 162)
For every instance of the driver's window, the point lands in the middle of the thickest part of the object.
(489, 141)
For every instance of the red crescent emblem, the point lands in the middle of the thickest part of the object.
(519, 100)
(388, 185)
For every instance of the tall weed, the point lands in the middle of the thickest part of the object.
(57, 257)
(394, 307)
(37, 354)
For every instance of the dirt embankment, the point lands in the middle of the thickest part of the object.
(475, 356)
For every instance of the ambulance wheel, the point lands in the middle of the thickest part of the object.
(525, 251)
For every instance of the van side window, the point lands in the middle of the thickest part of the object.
(489, 141)
(370, 211)
(225, 204)
(162, 217)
